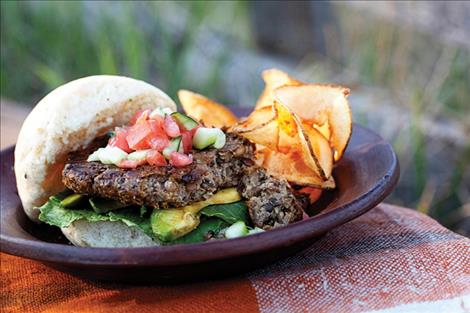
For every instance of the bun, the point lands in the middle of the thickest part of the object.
(69, 118)
(106, 234)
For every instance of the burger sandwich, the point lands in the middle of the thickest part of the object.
(111, 162)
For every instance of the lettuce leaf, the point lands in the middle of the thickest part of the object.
(54, 214)
(217, 216)
(230, 212)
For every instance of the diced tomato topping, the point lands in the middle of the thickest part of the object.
(119, 140)
(157, 127)
(171, 127)
(153, 133)
(158, 119)
(187, 139)
(159, 142)
(139, 115)
(138, 136)
(179, 159)
(193, 131)
(131, 163)
(143, 117)
(155, 158)
(158, 139)
(313, 193)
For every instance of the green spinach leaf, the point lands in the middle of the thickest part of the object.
(206, 229)
(230, 212)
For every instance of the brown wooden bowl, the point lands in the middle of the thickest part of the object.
(365, 175)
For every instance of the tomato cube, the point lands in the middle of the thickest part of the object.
(139, 116)
(179, 159)
(138, 135)
(155, 158)
(131, 163)
(119, 140)
(158, 142)
(171, 127)
(187, 139)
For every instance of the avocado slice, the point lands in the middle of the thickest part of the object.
(170, 224)
(167, 225)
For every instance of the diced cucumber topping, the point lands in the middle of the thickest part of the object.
(255, 230)
(161, 112)
(138, 155)
(220, 141)
(184, 120)
(237, 229)
(205, 137)
(175, 145)
(108, 155)
(113, 155)
(95, 156)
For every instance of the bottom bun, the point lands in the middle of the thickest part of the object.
(106, 235)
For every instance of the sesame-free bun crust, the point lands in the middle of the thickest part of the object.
(106, 234)
(69, 118)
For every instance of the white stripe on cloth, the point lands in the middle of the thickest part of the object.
(454, 305)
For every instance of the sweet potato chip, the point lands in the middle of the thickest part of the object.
(319, 104)
(323, 129)
(321, 149)
(292, 168)
(211, 113)
(279, 129)
(256, 119)
(273, 78)
(260, 127)
(265, 135)
(292, 137)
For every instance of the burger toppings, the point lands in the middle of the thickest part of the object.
(157, 138)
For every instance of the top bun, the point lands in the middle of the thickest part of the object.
(68, 119)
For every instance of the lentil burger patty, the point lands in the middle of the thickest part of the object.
(160, 186)
(271, 201)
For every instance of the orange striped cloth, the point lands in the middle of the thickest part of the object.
(389, 260)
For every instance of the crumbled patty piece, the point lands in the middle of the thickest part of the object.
(271, 202)
(160, 187)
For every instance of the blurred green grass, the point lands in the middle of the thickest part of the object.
(47, 43)
(431, 79)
